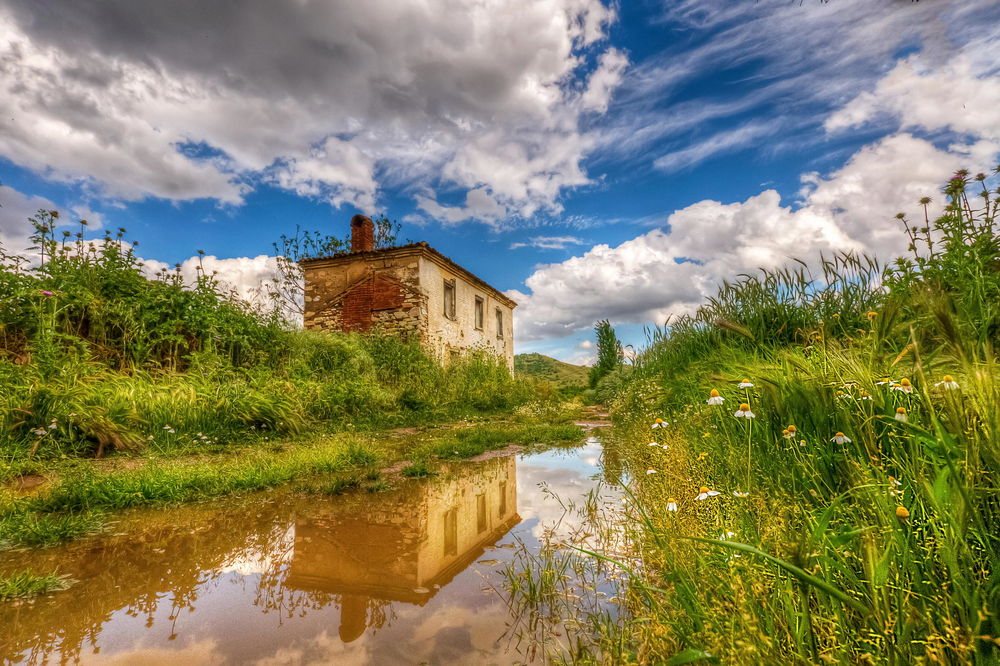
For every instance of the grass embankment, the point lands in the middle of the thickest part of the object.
(192, 392)
(96, 356)
(853, 517)
(81, 495)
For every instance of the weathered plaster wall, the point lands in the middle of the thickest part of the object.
(446, 335)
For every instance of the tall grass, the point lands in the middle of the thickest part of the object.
(877, 546)
(96, 355)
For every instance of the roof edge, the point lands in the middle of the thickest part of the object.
(421, 247)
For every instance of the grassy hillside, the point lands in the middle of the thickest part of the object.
(827, 492)
(562, 375)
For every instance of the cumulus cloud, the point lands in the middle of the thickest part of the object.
(187, 100)
(962, 95)
(670, 271)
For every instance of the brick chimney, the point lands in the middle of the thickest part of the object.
(362, 234)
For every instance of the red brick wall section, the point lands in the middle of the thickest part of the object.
(368, 296)
(362, 234)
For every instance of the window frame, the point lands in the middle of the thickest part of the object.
(450, 303)
(479, 313)
(499, 318)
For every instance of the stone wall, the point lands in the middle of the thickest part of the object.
(401, 292)
(366, 293)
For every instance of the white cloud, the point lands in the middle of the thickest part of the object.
(669, 272)
(479, 205)
(962, 95)
(754, 52)
(604, 80)
(15, 209)
(548, 242)
(328, 100)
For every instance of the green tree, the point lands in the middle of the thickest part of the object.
(609, 352)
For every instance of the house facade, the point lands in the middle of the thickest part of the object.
(409, 290)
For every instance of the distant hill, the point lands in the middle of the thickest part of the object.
(545, 367)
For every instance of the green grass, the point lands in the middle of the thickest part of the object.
(471, 442)
(560, 374)
(24, 584)
(880, 549)
(417, 470)
(78, 502)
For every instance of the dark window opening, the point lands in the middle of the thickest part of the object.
(480, 312)
(449, 299)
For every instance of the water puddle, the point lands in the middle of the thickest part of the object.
(409, 575)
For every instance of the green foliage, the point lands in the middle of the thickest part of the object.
(417, 470)
(98, 357)
(609, 352)
(566, 379)
(878, 547)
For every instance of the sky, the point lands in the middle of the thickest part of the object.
(592, 159)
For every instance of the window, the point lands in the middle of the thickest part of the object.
(480, 312)
(449, 299)
(499, 323)
(451, 532)
(481, 522)
(502, 511)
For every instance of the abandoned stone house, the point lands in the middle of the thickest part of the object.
(409, 290)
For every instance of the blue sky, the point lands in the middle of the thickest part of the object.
(593, 159)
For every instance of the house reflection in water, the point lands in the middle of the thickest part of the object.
(406, 544)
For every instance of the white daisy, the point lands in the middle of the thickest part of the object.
(705, 493)
(948, 383)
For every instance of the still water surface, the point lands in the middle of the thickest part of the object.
(400, 577)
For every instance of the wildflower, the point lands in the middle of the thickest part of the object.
(948, 383)
(885, 381)
(841, 438)
(671, 504)
(792, 429)
(650, 470)
(665, 447)
(894, 485)
(786, 434)
(653, 444)
(53, 426)
(702, 455)
(901, 414)
(714, 398)
(659, 423)
(904, 386)
(744, 412)
(737, 493)
(745, 384)
(902, 514)
(871, 315)
(166, 427)
(47, 293)
(705, 493)
(865, 395)
(802, 442)
(706, 434)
